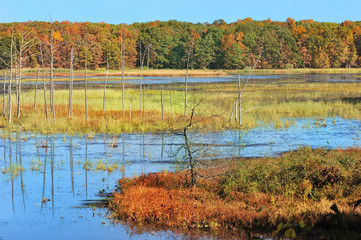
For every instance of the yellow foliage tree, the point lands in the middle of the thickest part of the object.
(57, 38)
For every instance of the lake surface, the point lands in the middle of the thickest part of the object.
(53, 177)
(133, 81)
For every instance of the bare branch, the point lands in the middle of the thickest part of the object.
(2, 60)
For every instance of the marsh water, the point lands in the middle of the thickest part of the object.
(51, 184)
(47, 180)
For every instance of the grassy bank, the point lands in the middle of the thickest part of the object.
(264, 105)
(298, 71)
(289, 196)
(199, 72)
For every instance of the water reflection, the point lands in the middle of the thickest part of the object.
(115, 81)
(11, 174)
(28, 179)
(86, 168)
(43, 199)
(52, 155)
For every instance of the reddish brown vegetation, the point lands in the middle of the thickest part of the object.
(164, 199)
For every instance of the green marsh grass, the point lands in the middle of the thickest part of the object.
(262, 105)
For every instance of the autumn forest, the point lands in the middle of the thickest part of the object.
(168, 45)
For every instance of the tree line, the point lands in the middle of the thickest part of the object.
(177, 45)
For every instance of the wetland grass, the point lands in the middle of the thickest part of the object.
(262, 105)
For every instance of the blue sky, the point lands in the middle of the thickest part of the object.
(130, 11)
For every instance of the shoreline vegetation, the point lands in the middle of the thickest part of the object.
(304, 193)
(195, 72)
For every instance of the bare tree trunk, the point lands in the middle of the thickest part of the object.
(86, 86)
(52, 105)
(140, 53)
(11, 71)
(148, 58)
(17, 89)
(161, 99)
(186, 81)
(18, 80)
(130, 112)
(105, 85)
(140, 90)
(190, 159)
(44, 85)
(4, 98)
(45, 101)
(141, 76)
(123, 56)
(71, 83)
(234, 110)
(25, 43)
(143, 115)
(9, 92)
(189, 151)
(239, 101)
(185, 90)
(36, 85)
(171, 106)
(140, 85)
(241, 91)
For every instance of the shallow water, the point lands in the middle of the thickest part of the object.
(133, 81)
(69, 176)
